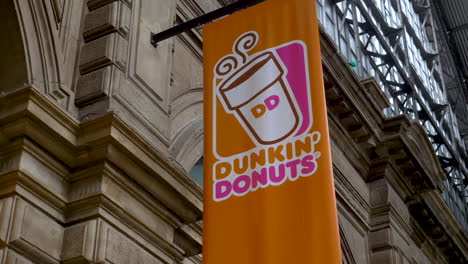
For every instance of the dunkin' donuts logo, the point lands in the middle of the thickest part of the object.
(266, 98)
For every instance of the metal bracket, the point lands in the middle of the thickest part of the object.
(201, 20)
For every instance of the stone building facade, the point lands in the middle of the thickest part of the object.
(99, 129)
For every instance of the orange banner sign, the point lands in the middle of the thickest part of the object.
(269, 194)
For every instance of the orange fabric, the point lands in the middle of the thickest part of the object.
(292, 222)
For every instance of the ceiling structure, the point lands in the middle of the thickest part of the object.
(453, 16)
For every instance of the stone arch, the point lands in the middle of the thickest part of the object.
(41, 47)
(346, 252)
(13, 69)
(419, 140)
(187, 128)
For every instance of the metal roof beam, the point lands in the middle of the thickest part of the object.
(458, 28)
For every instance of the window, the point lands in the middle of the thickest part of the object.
(197, 172)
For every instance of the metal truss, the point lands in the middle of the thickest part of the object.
(395, 41)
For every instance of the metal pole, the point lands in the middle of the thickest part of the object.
(201, 20)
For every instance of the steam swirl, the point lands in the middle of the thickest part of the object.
(245, 43)
(226, 65)
(242, 45)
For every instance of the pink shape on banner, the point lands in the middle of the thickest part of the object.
(293, 58)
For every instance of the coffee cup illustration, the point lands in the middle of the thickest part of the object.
(259, 96)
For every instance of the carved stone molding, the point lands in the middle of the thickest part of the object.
(439, 226)
(101, 168)
(106, 29)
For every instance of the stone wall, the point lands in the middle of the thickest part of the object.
(98, 130)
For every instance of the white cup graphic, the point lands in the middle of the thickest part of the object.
(259, 96)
